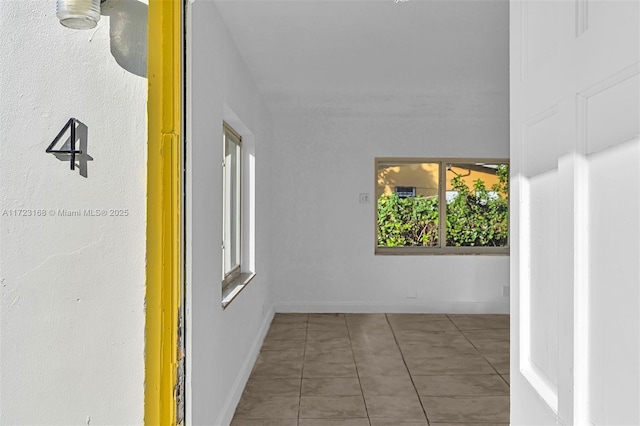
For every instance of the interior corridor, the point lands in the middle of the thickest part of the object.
(380, 370)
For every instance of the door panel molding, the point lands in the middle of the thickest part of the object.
(539, 154)
(547, 390)
(582, 17)
(621, 88)
(575, 108)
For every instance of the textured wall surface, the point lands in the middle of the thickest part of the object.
(222, 345)
(72, 292)
(326, 237)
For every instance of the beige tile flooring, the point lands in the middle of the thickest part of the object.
(380, 370)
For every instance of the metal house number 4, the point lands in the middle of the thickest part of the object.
(71, 124)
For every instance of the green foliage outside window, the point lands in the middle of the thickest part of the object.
(407, 222)
(479, 217)
(475, 218)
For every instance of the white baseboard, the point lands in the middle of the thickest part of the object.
(420, 308)
(243, 375)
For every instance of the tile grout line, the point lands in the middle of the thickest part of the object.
(304, 353)
(476, 348)
(424, 410)
(346, 323)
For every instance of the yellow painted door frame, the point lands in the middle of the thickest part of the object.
(164, 208)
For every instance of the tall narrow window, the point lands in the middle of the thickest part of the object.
(231, 166)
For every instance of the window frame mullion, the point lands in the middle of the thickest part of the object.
(442, 205)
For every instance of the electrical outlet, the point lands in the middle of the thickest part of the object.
(364, 198)
(505, 291)
(412, 293)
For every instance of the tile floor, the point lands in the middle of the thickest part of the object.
(380, 370)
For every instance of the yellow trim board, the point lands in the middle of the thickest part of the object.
(163, 249)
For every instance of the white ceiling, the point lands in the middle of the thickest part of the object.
(372, 48)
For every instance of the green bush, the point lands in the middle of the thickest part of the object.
(474, 218)
(479, 218)
(407, 222)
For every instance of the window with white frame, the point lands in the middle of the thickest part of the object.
(232, 215)
(442, 206)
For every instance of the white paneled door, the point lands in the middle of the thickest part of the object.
(575, 263)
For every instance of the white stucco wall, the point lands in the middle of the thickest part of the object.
(72, 288)
(323, 160)
(222, 344)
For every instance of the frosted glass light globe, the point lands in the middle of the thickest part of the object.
(78, 14)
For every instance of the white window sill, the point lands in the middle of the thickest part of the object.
(235, 287)
(446, 251)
